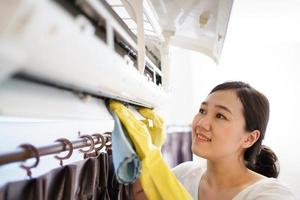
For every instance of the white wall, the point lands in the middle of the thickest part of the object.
(178, 110)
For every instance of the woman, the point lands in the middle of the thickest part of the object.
(228, 132)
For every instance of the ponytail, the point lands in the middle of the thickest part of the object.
(266, 163)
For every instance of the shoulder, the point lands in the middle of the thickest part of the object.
(266, 189)
(187, 169)
(189, 174)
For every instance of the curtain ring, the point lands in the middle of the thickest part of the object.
(100, 138)
(92, 144)
(107, 136)
(108, 144)
(33, 152)
(66, 143)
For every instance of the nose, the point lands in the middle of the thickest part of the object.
(204, 122)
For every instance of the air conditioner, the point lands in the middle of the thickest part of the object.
(88, 46)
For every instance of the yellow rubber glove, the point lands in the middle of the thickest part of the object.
(156, 178)
(156, 129)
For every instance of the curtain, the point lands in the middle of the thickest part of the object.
(177, 148)
(90, 179)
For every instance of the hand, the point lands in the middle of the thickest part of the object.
(137, 191)
(136, 129)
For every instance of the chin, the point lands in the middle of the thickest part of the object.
(197, 151)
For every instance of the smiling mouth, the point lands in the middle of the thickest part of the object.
(202, 137)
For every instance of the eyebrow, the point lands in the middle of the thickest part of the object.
(218, 106)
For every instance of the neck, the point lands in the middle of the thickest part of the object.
(226, 173)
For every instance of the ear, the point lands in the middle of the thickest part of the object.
(251, 138)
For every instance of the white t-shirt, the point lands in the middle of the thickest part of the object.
(190, 173)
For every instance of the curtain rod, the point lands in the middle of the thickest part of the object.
(23, 154)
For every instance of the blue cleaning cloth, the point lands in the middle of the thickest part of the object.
(126, 162)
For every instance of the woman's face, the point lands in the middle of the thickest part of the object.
(218, 128)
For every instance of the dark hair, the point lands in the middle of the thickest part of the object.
(256, 113)
(267, 163)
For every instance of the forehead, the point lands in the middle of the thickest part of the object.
(227, 98)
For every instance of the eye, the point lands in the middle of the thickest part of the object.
(202, 111)
(220, 116)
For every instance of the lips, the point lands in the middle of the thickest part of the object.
(201, 137)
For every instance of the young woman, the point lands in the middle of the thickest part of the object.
(228, 131)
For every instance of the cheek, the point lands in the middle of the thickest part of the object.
(195, 119)
(230, 134)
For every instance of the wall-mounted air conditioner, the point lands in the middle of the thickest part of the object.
(92, 46)
(80, 45)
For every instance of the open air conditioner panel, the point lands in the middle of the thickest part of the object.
(193, 24)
